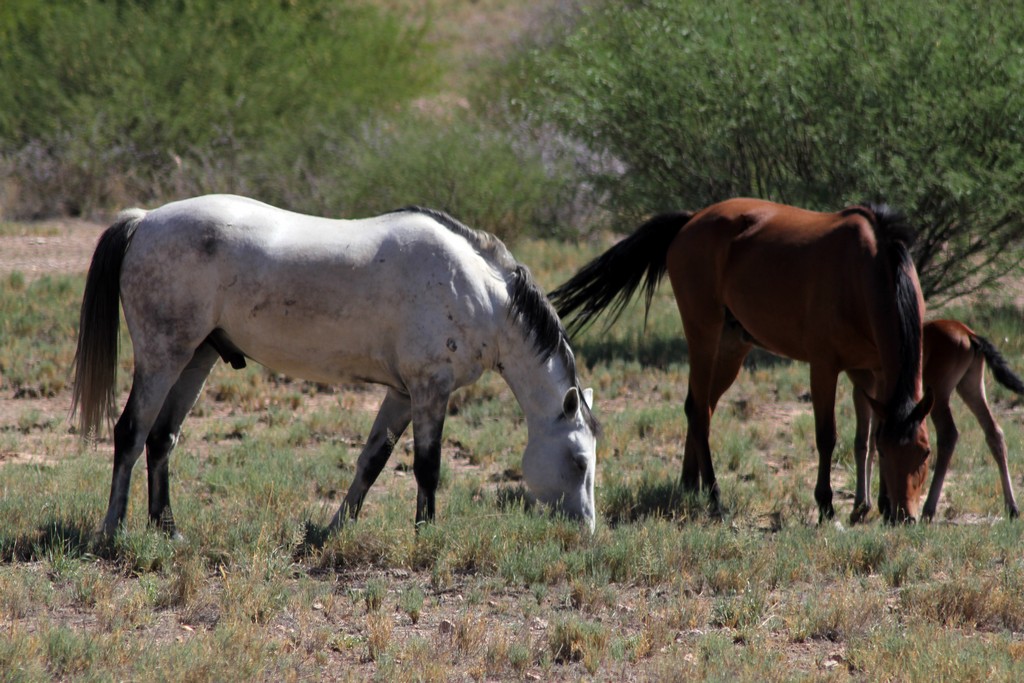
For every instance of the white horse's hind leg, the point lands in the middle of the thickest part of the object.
(392, 419)
(130, 433)
(164, 435)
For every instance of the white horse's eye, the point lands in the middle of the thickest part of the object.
(582, 462)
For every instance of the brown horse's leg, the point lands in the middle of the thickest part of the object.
(690, 479)
(731, 350)
(823, 397)
(863, 443)
(972, 391)
(697, 465)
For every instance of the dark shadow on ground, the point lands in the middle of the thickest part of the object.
(657, 352)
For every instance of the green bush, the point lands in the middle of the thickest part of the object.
(105, 100)
(819, 104)
(484, 176)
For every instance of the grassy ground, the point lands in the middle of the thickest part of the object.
(491, 591)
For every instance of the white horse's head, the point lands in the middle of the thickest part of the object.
(561, 457)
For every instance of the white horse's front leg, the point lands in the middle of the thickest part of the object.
(392, 419)
(427, 428)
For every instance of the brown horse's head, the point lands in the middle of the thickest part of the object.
(903, 451)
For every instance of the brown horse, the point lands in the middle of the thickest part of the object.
(837, 290)
(954, 358)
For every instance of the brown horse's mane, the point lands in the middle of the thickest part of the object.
(895, 237)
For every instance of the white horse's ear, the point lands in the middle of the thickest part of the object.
(588, 397)
(571, 403)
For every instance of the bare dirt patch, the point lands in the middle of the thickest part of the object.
(48, 247)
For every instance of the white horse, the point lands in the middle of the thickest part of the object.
(413, 300)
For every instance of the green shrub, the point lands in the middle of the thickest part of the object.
(484, 176)
(107, 102)
(814, 104)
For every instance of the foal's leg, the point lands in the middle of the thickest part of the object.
(164, 435)
(392, 419)
(946, 435)
(972, 391)
(823, 398)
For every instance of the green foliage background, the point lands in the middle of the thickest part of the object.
(137, 100)
(606, 113)
(819, 104)
(175, 75)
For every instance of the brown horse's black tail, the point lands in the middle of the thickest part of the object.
(98, 323)
(1000, 368)
(610, 280)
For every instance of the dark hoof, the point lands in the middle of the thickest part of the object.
(901, 518)
(826, 514)
(860, 513)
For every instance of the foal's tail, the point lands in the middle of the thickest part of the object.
(98, 323)
(612, 278)
(1000, 368)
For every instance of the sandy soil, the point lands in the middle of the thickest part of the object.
(63, 246)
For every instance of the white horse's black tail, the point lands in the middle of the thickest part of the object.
(611, 279)
(98, 327)
(1000, 368)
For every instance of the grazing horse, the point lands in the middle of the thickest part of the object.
(412, 299)
(837, 290)
(954, 358)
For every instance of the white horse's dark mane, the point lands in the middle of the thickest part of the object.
(527, 303)
(485, 243)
